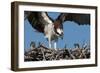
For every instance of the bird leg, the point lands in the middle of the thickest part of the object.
(55, 45)
(49, 39)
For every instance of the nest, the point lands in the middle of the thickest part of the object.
(42, 53)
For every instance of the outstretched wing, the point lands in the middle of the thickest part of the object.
(81, 19)
(38, 20)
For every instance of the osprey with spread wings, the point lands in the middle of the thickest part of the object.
(53, 29)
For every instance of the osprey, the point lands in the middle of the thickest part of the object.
(53, 29)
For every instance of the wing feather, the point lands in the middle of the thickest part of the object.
(81, 19)
(38, 20)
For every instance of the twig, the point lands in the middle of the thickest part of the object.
(43, 55)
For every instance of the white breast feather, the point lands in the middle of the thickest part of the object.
(49, 31)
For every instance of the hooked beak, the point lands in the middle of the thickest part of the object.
(62, 35)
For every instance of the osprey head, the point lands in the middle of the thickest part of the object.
(58, 28)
